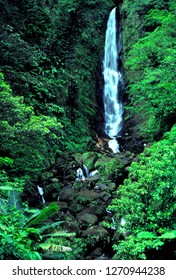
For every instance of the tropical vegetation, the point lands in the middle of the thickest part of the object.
(51, 111)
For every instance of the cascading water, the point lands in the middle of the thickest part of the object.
(113, 108)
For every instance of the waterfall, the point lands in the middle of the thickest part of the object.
(113, 108)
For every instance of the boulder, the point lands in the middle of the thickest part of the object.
(87, 219)
(96, 233)
(112, 187)
(74, 208)
(95, 177)
(72, 226)
(78, 184)
(100, 187)
(86, 195)
(94, 209)
(67, 195)
(89, 159)
(95, 254)
(105, 196)
(78, 159)
(109, 168)
(63, 206)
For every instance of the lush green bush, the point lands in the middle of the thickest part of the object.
(147, 199)
(149, 63)
(31, 141)
(110, 169)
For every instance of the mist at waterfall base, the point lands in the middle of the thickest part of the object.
(113, 108)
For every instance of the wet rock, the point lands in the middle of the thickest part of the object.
(96, 177)
(89, 159)
(79, 184)
(75, 208)
(109, 168)
(95, 254)
(112, 187)
(103, 257)
(78, 159)
(87, 195)
(67, 195)
(67, 187)
(95, 210)
(67, 183)
(100, 187)
(97, 233)
(63, 206)
(72, 226)
(105, 196)
(128, 160)
(87, 219)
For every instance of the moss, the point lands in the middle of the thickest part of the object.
(89, 159)
(109, 168)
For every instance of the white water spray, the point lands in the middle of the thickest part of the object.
(113, 109)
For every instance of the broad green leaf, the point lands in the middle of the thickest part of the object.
(44, 214)
(14, 199)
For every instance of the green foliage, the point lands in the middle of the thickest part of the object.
(19, 239)
(26, 236)
(6, 161)
(49, 53)
(15, 237)
(31, 141)
(14, 199)
(109, 168)
(146, 200)
(150, 60)
(44, 214)
(67, 247)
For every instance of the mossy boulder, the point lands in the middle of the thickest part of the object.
(67, 195)
(74, 207)
(87, 219)
(78, 185)
(86, 196)
(51, 191)
(97, 210)
(78, 158)
(89, 159)
(96, 234)
(109, 168)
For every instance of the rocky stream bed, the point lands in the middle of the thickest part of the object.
(84, 199)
